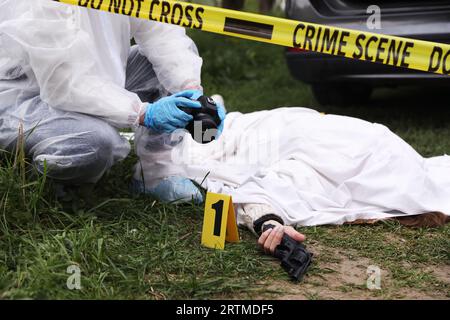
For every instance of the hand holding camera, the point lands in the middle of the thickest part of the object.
(198, 114)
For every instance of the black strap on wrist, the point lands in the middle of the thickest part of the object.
(257, 225)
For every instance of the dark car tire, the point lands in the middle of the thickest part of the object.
(341, 94)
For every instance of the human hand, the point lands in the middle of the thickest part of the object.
(222, 115)
(192, 94)
(195, 94)
(165, 115)
(270, 239)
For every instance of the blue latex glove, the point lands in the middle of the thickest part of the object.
(165, 116)
(191, 94)
(194, 95)
(222, 115)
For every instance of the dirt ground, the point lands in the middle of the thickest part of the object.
(344, 277)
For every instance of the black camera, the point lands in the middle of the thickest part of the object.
(203, 128)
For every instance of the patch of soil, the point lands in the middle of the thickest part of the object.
(345, 278)
(442, 272)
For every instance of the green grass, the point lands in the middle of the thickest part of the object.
(126, 248)
(135, 248)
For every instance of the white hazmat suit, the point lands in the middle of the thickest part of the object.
(69, 77)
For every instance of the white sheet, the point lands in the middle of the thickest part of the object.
(313, 169)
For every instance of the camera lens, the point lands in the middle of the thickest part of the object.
(205, 120)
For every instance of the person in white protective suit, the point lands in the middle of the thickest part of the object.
(298, 167)
(69, 78)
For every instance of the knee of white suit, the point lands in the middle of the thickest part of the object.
(77, 159)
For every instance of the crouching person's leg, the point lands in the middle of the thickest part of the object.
(256, 216)
(156, 174)
(153, 149)
(80, 156)
(72, 149)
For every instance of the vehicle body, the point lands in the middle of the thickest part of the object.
(340, 80)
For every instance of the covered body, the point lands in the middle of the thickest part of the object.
(312, 169)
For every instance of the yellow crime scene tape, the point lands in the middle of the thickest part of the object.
(378, 48)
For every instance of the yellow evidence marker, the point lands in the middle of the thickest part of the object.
(219, 222)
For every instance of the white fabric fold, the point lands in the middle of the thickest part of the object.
(312, 169)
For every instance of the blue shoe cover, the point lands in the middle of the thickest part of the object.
(172, 189)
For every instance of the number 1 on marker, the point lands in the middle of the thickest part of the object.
(218, 207)
(219, 223)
